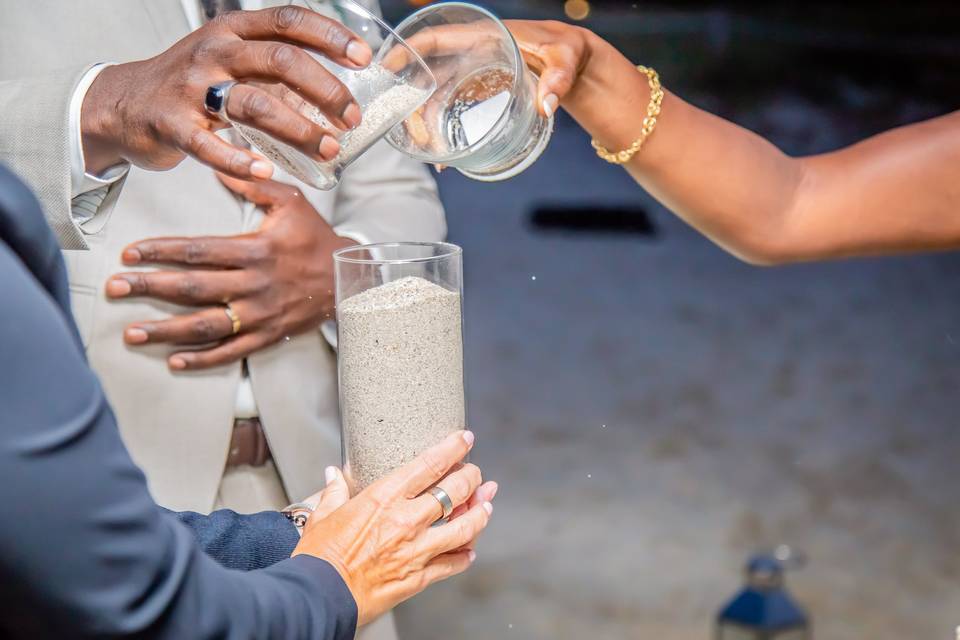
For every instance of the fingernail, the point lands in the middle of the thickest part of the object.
(359, 53)
(493, 490)
(177, 363)
(261, 169)
(488, 507)
(131, 256)
(550, 104)
(352, 115)
(329, 147)
(118, 287)
(135, 335)
(468, 437)
(472, 555)
(330, 474)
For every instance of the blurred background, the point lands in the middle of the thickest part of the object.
(656, 411)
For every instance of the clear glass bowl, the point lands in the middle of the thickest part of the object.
(482, 119)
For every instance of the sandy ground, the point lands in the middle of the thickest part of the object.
(743, 407)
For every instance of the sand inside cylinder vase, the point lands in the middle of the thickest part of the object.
(401, 374)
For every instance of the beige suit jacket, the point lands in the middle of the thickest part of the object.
(178, 427)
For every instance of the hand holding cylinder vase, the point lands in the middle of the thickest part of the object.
(400, 353)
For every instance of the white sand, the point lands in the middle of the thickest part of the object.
(390, 103)
(401, 374)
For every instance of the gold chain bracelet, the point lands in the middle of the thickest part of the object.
(649, 122)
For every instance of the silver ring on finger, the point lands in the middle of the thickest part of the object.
(446, 504)
(298, 513)
(215, 102)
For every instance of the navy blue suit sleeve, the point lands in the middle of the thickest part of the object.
(243, 542)
(84, 550)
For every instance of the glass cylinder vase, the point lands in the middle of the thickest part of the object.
(400, 353)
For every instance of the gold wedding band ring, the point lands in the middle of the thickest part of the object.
(234, 318)
(446, 504)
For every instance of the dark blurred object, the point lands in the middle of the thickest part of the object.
(922, 27)
(764, 609)
(872, 66)
(629, 219)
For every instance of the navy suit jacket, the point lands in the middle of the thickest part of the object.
(84, 550)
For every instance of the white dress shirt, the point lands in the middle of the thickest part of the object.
(87, 191)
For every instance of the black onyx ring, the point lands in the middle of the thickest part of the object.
(216, 100)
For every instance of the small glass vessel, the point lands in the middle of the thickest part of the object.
(386, 96)
(483, 118)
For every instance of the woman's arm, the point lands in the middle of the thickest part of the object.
(895, 192)
(84, 551)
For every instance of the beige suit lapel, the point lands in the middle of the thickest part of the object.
(182, 440)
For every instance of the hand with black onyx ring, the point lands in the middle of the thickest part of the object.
(152, 112)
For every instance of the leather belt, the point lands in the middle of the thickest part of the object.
(248, 446)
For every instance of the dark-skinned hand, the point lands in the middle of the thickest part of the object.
(151, 112)
(278, 281)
